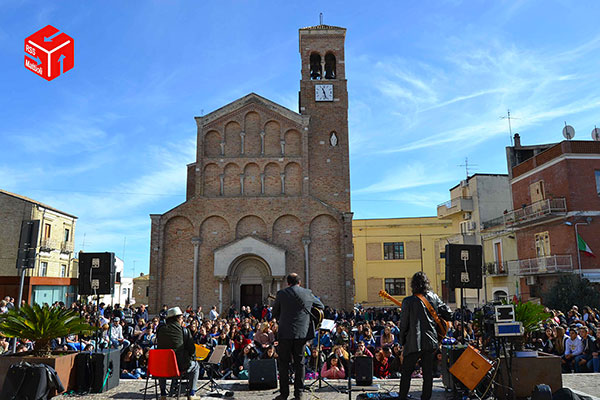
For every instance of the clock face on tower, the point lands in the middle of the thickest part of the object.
(323, 92)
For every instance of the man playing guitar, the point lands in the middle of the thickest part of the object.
(418, 332)
(292, 308)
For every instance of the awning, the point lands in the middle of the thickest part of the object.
(592, 276)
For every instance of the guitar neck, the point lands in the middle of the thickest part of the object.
(386, 295)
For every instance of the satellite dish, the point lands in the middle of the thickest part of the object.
(596, 134)
(568, 132)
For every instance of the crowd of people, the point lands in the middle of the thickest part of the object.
(252, 333)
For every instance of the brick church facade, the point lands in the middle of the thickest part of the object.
(268, 194)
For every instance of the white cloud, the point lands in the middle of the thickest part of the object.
(407, 176)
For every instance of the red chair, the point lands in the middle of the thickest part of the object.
(162, 363)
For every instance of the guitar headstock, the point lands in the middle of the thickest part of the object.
(384, 294)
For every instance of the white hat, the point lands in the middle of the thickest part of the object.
(173, 312)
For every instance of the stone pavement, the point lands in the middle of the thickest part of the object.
(588, 384)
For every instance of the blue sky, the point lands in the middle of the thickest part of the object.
(109, 140)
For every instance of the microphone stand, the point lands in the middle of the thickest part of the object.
(319, 377)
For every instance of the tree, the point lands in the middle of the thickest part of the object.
(571, 290)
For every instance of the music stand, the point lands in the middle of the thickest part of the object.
(326, 325)
(213, 361)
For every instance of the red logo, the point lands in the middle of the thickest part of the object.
(49, 52)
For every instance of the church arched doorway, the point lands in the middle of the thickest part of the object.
(251, 280)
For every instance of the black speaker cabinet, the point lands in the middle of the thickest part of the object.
(363, 367)
(262, 374)
(94, 368)
(101, 266)
(449, 357)
(457, 255)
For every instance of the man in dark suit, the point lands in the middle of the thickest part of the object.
(418, 335)
(292, 310)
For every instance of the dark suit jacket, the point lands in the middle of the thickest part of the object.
(293, 320)
(417, 327)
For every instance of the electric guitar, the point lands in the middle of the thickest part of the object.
(386, 295)
(441, 325)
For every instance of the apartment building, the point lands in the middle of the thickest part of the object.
(54, 275)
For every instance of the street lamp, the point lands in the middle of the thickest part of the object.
(588, 220)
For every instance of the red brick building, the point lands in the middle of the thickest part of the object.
(268, 194)
(556, 193)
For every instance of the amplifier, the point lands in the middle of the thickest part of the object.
(471, 367)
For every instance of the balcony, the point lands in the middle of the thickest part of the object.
(496, 268)
(66, 247)
(535, 212)
(49, 245)
(456, 205)
(464, 238)
(541, 265)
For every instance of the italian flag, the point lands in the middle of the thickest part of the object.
(583, 246)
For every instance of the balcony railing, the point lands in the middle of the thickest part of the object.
(458, 204)
(49, 244)
(535, 212)
(541, 265)
(464, 238)
(497, 268)
(66, 247)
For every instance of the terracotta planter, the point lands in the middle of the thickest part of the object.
(63, 363)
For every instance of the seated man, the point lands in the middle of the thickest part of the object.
(173, 335)
(573, 348)
(583, 362)
(117, 340)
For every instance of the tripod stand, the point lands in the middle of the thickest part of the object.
(210, 366)
(320, 379)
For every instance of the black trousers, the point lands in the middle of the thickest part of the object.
(291, 350)
(408, 366)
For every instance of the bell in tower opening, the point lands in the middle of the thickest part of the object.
(315, 66)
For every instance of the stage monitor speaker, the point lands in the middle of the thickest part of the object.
(363, 367)
(92, 370)
(457, 255)
(471, 367)
(262, 374)
(101, 266)
(105, 363)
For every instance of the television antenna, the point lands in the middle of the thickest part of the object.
(596, 134)
(508, 117)
(568, 131)
(467, 165)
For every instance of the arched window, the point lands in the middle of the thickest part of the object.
(329, 66)
(316, 72)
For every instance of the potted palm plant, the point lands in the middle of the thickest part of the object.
(42, 324)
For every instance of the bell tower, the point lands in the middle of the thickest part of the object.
(324, 98)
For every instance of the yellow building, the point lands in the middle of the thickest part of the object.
(387, 252)
(141, 286)
(54, 274)
(499, 253)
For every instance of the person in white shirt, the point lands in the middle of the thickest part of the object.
(573, 348)
(116, 335)
(213, 314)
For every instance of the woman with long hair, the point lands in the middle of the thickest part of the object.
(559, 341)
(333, 368)
(387, 338)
